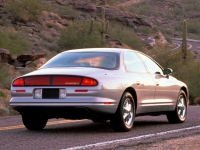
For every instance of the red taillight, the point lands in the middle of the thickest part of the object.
(66, 81)
(18, 82)
(89, 82)
(55, 81)
(37, 80)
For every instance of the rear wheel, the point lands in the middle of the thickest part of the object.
(179, 114)
(33, 122)
(123, 119)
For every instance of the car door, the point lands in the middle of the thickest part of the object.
(166, 92)
(143, 82)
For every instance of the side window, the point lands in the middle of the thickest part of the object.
(133, 63)
(151, 65)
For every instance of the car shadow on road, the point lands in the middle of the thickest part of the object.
(96, 128)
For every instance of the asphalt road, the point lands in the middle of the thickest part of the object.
(192, 45)
(72, 135)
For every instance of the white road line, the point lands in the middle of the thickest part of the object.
(130, 139)
(178, 45)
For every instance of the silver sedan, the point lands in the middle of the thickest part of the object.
(99, 84)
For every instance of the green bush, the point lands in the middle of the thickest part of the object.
(69, 11)
(192, 5)
(141, 9)
(145, 30)
(4, 111)
(168, 38)
(14, 42)
(109, 2)
(189, 72)
(178, 27)
(126, 35)
(177, 11)
(25, 10)
(193, 26)
(5, 78)
(77, 36)
(2, 94)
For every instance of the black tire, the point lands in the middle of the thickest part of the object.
(99, 120)
(123, 119)
(180, 112)
(32, 122)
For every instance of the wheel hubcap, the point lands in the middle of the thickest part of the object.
(128, 112)
(181, 108)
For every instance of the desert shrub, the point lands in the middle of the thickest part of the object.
(168, 38)
(177, 11)
(145, 30)
(25, 10)
(192, 5)
(2, 94)
(5, 78)
(169, 16)
(126, 35)
(194, 26)
(77, 36)
(14, 42)
(178, 27)
(166, 31)
(188, 72)
(110, 2)
(194, 36)
(4, 111)
(141, 8)
(53, 47)
(69, 11)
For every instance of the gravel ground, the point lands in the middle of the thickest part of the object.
(185, 143)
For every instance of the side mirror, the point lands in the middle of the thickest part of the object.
(167, 71)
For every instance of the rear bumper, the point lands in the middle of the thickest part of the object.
(62, 112)
(71, 107)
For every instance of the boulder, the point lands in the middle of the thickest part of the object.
(5, 56)
(21, 60)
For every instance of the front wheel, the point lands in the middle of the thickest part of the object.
(179, 114)
(123, 119)
(33, 122)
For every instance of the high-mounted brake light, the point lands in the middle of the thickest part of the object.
(18, 82)
(89, 82)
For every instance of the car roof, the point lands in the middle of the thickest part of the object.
(116, 50)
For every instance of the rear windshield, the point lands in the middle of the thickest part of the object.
(105, 60)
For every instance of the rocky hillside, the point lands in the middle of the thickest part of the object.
(43, 32)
